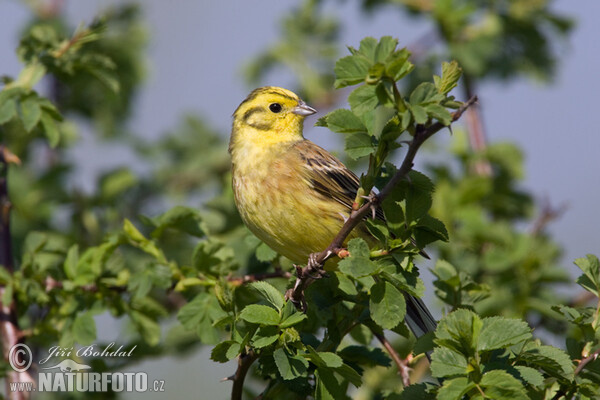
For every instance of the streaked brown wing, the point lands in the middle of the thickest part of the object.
(329, 176)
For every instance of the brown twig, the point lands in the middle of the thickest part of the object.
(402, 365)
(9, 326)
(313, 270)
(547, 215)
(583, 362)
(244, 363)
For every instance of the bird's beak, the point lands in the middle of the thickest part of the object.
(303, 109)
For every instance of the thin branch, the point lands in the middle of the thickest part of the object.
(402, 365)
(547, 215)
(244, 363)
(313, 270)
(586, 360)
(9, 326)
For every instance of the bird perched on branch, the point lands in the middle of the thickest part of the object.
(291, 193)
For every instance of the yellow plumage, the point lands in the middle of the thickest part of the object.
(291, 193)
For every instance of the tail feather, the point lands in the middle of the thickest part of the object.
(418, 318)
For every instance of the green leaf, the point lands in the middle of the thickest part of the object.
(260, 314)
(293, 319)
(447, 362)
(454, 389)
(344, 121)
(459, 330)
(224, 351)
(84, 329)
(358, 145)
(425, 93)
(418, 196)
(385, 48)
(363, 99)
(430, 229)
(8, 110)
(30, 112)
(387, 305)
(530, 375)
(345, 284)
(265, 335)
(440, 113)
(358, 263)
(269, 293)
(327, 386)
(498, 384)
(264, 253)
(199, 314)
(451, 73)
(552, 360)
(350, 70)
(367, 47)
(148, 328)
(70, 265)
(590, 280)
(290, 367)
(184, 219)
(50, 129)
(350, 375)
(500, 332)
(416, 391)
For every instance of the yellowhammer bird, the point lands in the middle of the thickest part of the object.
(291, 193)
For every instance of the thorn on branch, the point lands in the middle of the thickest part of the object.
(245, 360)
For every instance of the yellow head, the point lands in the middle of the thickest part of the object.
(269, 115)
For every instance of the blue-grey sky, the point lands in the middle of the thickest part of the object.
(197, 49)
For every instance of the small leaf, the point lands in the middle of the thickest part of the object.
(350, 70)
(447, 362)
(387, 305)
(290, 367)
(454, 389)
(260, 314)
(530, 375)
(327, 386)
(451, 73)
(344, 121)
(269, 293)
(84, 329)
(264, 336)
(264, 253)
(8, 110)
(358, 263)
(498, 384)
(222, 352)
(30, 112)
(500, 332)
(590, 280)
(293, 320)
(363, 99)
(358, 145)
(50, 130)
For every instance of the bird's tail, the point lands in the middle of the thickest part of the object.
(418, 318)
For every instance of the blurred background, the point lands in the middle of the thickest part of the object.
(203, 58)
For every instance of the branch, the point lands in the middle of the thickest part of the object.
(9, 326)
(547, 215)
(403, 369)
(313, 270)
(586, 360)
(244, 363)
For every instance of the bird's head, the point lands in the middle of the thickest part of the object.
(270, 115)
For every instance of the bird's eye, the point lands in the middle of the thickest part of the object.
(275, 107)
